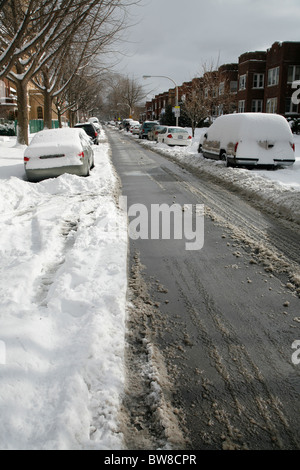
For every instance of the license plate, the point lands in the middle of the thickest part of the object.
(180, 137)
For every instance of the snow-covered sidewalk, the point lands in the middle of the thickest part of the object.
(63, 281)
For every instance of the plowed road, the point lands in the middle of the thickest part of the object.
(219, 321)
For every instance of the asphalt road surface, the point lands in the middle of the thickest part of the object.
(210, 361)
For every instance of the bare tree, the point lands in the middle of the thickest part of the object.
(43, 33)
(218, 97)
(193, 107)
(126, 93)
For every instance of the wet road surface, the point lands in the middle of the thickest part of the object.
(219, 321)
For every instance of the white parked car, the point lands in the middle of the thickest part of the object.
(249, 139)
(54, 152)
(135, 128)
(172, 135)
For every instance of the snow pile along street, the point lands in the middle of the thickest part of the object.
(62, 306)
(277, 190)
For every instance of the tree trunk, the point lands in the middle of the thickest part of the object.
(23, 120)
(47, 100)
(47, 110)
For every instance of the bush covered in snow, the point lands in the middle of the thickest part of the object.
(7, 128)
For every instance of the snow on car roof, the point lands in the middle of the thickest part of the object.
(66, 140)
(59, 135)
(260, 126)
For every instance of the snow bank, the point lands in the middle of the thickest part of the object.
(62, 307)
(278, 189)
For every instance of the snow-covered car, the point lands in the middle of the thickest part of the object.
(95, 122)
(250, 139)
(91, 131)
(172, 135)
(54, 152)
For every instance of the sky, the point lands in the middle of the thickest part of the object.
(175, 38)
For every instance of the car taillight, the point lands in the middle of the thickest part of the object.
(96, 133)
(81, 155)
(26, 159)
(189, 137)
(236, 146)
(293, 147)
(169, 136)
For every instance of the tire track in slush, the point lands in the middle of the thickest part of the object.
(225, 358)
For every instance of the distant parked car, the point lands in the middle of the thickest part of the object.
(172, 135)
(91, 131)
(153, 133)
(95, 121)
(135, 128)
(249, 139)
(145, 128)
(54, 152)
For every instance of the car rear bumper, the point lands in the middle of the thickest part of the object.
(34, 175)
(260, 161)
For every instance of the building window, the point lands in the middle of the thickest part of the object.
(2, 89)
(40, 112)
(221, 88)
(293, 73)
(273, 76)
(243, 82)
(241, 108)
(271, 105)
(258, 80)
(290, 107)
(257, 106)
(233, 86)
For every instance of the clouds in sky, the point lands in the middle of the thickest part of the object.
(175, 37)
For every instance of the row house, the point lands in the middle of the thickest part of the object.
(266, 79)
(261, 81)
(282, 69)
(8, 100)
(251, 82)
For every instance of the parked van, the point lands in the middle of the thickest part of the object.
(249, 139)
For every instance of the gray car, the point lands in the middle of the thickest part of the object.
(54, 152)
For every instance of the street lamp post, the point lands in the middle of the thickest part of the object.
(176, 88)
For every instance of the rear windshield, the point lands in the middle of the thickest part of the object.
(88, 129)
(150, 124)
(177, 131)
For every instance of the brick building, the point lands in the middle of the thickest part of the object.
(261, 81)
(251, 82)
(282, 69)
